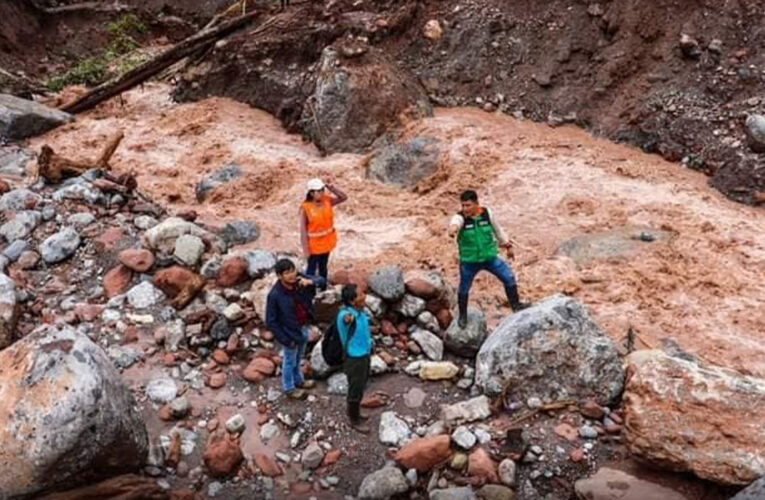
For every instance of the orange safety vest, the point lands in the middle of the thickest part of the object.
(320, 226)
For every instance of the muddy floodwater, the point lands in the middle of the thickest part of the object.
(697, 279)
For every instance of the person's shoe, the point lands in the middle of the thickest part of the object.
(307, 384)
(297, 394)
(515, 302)
(462, 304)
(361, 427)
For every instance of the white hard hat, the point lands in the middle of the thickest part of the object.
(315, 184)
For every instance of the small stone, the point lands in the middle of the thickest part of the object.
(393, 430)
(507, 472)
(312, 456)
(459, 461)
(81, 219)
(463, 438)
(180, 407)
(233, 312)
(60, 246)
(189, 249)
(144, 295)
(137, 259)
(161, 390)
(588, 432)
(235, 424)
(15, 249)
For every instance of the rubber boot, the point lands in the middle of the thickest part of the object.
(462, 304)
(354, 414)
(515, 302)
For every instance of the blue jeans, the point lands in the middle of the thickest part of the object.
(496, 266)
(317, 265)
(291, 375)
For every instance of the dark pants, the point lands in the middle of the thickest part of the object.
(285, 3)
(357, 371)
(317, 265)
(495, 266)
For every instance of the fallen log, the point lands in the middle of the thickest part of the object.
(140, 74)
(54, 167)
(127, 487)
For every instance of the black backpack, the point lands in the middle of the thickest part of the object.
(332, 348)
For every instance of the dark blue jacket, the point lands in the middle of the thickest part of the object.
(281, 318)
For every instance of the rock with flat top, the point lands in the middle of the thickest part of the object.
(383, 484)
(21, 118)
(612, 484)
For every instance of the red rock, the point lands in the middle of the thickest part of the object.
(262, 418)
(137, 259)
(216, 380)
(374, 400)
(425, 453)
(576, 455)
(168, 359)
(591, 409)
(165, 413)
(331, 457)
(388, 328)
(267, 336)
(481, 465)
(402, 328)
(180, 284)
(232, 272)
(108, 240)
(387, 357)
(232, 344)
(262, 365)
(213, 424)
(301, 488)
(267, 465)
(444, 317)
(28, 259)
(117, 280)
(250, 374)
(421, 288)
(4, 186)
(130, 335)
(223, 455)
(355, 277)
(614, 429)
(567, 432)
(221, 357)
(88, 312)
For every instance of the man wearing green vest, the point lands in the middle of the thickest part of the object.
(478, 238)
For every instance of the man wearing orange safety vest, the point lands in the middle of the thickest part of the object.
(317, 225)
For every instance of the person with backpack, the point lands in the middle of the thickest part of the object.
(478, 237)
(353, 328)
(289, 311)
(317, 225)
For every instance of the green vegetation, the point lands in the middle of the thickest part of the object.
(96, 69)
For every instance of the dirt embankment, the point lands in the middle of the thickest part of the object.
(616, 68)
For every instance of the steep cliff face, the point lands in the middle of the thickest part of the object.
(674, 78)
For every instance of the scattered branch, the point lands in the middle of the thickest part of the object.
(54, 167)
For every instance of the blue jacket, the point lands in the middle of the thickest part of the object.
(361, 342)
(281, 318)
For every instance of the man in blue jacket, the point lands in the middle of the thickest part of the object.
(289, 310)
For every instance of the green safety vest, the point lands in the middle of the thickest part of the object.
(476, 239)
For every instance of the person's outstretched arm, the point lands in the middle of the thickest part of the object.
(339, 196)
(455, 224)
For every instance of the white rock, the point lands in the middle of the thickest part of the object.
(393, 431)
(144, 295)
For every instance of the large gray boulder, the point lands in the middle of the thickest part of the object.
(14, 160)
(467, 341)
(403, 164)
(223, 176)
(359, 95)
(755, 130)
(755, 491)
(66, 415)
(552, 351)
(388, 283)
(21, 226)
(9, 311)
(20, 118)
(383, 484)
(19, 199)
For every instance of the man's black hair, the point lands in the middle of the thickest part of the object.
(283, 265)
(469, 195)
(348, 294)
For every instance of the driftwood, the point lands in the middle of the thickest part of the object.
(54, 167)
(143, 72)
(127, 487)
(80, 8)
